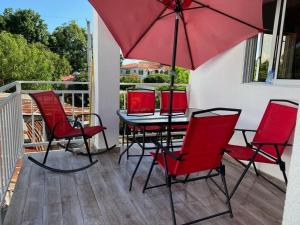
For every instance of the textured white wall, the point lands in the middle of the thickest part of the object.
(107, 81)
(219, 83)
(291, 214)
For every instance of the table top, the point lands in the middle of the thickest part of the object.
(157, 118)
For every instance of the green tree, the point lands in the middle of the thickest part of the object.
(21, 60)
(25, 22)
(157, 78)
(70, 41)
(182, 76)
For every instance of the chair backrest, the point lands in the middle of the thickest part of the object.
(140, 101)
(277, 125)
(52, 111)
(179, 103)
(205, 138)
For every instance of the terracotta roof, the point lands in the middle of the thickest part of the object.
(142, 65)
(68, 78)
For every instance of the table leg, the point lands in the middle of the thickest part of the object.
(139, 162)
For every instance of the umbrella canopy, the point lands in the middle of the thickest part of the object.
(144, 29)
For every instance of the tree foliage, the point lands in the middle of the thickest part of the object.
(21, 60)
(70, 41)
(25, 22)
(157, 78)
(182, 77)
(131, 78)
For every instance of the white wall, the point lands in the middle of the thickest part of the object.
(106, 82)
(219, 83)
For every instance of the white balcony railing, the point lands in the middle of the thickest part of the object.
(11, 134)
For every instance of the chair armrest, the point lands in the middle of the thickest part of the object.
(89, 114)
(244, 135)
(270, 143)
(165, 150)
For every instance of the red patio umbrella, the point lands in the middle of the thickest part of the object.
(185, 33)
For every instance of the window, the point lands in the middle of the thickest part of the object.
(127, 71)
(278, 48)
(141, 72)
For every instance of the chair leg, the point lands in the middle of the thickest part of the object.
(149, 174)
(169, 186)
(222, 172)
(47, 151)
(88, 149)
(240, 179)
(282, 168)
(255, 169)
(186, 178)
(139, 162)
(127, 144)
(67, 146)
(123, 134)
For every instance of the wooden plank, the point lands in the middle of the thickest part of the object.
(53, 205)
(17, 205)
(33, 211)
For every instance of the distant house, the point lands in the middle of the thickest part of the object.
(143, 69)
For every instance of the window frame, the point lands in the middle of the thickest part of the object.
(275, 50)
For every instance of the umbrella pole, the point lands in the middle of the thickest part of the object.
(173, 73)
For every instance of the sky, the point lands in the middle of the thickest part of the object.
(54, 12)
(57, 12)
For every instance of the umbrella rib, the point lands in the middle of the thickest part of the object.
(229, 16)
(199, 7)
(187, 39)
(145, 32)
(163, 16)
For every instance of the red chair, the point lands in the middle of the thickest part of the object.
(202, 150)
(140, 102)
(179, 106)
(270, 140)
(60, 128)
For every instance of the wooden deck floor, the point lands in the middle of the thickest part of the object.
(99, 195)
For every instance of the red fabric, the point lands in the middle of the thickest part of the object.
(132, 24)
(179, 103)
(276, 126)
(245, 153)
(203, 144)
(55, 117)
(140, 101)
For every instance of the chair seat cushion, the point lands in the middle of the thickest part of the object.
(246, 153)
(76, 132)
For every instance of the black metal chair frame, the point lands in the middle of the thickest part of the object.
(170, 180)
(77, 119)
(257, 150)
(85, 138)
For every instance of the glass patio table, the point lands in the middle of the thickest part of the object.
(155, 119)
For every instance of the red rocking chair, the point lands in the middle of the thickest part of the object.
(60, 128)
(270, 140)
(202, 150)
